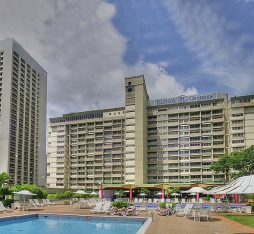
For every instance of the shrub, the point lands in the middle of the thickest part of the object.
(162, 205)
(7, 202)
(120, 204)
(33, 188)
(52, 196)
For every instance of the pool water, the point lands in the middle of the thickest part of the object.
(69, 225)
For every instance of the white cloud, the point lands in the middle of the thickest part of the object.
(222, 55)
(82, 51)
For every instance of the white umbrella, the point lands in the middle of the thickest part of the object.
(159, 193)
(196, 190)
(175, 194)
(142, 194)
(24, 193)
(80, 192)
(94, 193)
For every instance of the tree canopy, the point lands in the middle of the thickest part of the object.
(239, 163)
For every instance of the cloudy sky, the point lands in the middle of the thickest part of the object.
(89, 46)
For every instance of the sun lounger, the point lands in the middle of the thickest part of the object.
(31, 202)
(50, 202)
(17, 206)
(3, 208)
(97, 208)
(37, 203)
(184, 211)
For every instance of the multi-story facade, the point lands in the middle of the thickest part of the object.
(23, 93)
(147, 141)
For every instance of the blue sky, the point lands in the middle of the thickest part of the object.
(183, 47)
(154, 36)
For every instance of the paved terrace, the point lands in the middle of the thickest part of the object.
(160, 224)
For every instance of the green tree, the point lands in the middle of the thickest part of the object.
(4, 177)
(33, 188)
(4, 185)
(171, 190)
(120, 193)
(145, 190)
(243, 161)
(224, 164)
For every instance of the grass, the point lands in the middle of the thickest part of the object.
(247, 220)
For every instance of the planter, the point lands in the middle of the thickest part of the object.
(248, 209)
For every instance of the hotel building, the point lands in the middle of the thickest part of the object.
(172, 140)
(23, 94)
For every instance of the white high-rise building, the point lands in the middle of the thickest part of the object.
(23, 97)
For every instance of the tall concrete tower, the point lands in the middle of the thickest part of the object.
(136, 100)
(23, 96)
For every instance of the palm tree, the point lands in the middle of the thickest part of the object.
(170, 190)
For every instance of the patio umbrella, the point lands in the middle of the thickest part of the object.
(159, 193)
(94, 193)
(142, 194)
(175, 194)
(24, 193)
(81, 192)
(196, 190)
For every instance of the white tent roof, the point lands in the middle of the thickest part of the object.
(196, 190)
(24, 192)
(241, 185)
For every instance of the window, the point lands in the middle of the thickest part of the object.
(129, 90)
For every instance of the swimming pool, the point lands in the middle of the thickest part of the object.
(70, 224)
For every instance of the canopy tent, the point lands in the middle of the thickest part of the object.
(24, 193)
(241, 185)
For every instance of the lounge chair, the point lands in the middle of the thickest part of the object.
(106, 209)
(50, 203)
(186, 211)
(3, 208)
(31, 202)
(135, 200)
(17, 206)
(97, 208)
(193, 200)
(37, 203)
(44, 202)
(155, 200)
(149, 200)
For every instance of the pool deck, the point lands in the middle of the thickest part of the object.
(160, 224)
